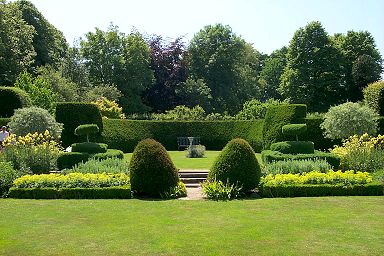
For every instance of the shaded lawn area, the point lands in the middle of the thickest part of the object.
(183, 162)
(292, 226)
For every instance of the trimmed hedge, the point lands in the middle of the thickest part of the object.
(307, 190)
(12, 98)
(269, 156)
(73, 114)
(70, 159)
(111, 153)
(4, 121)
(214, 135)
(314, 133)
(89, 147)
(294, 130)
(294, 147)
(71, 193)
(276, 117)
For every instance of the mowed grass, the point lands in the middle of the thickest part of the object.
(292, 226)
(183, 162)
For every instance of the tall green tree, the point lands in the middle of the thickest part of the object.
(221, 59)
(16, 49)
(313, 74)
(114, 58)
(352, 45)
(365, 71)
(49, 42)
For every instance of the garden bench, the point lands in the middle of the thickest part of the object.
(184, 142)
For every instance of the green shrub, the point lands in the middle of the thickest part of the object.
(380, 125)
(349, 119)
(72, 180)
(270, 156)
(218, 190)
(70, 159)
(294, 147)
(195, 151)
(175, 192)
(74, 114)
(125, 134)
(4, 121)
(123, 192)
(89, 147)
(294, 130)
(278, 116)
(237, 164)
(297, 166)
(109, 108)
(310, 190)
(181, 113)
(315, 134)
(255, 109)
(151, 169)
(110, 165)
(111, 153)
(7, 176)
(33, 119)
(374, 96)
(12, 98)
(86, 130)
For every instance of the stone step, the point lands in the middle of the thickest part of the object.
(193, 174)
(193, 185)
(192, 180)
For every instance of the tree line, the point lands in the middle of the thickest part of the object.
(217, 70)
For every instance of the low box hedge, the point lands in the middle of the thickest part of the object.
(269, 156)
(307, 190)
(71, 193)
(214, 135)
(70, 159)
(111, 153)
(89, 147)
(294, 147)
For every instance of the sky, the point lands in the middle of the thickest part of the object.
(267, 24)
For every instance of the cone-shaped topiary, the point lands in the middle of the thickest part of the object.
(237, 163)
(151, 169)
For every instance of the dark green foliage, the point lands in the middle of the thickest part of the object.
(294, 130)
(152, 171)
(89, 147)
(294, 147)
(276, 117)
(4, 121)
(86, 130)
(237, 164)
(70, 159)
(111, 153)
(374, 97)
(315, 133)
(12, 98)
(125, 134)
(307, 190)
(380, 125)
(73, 114)
(7, 175)
(71, 193)
(269, 156)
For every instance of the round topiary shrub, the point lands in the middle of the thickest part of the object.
(294, 130)
(151, 169)
(12, 98)
(237, 164)
(86, 129)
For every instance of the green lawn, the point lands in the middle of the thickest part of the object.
(182, 162)
(293, 226)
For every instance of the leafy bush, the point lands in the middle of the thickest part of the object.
(195, 151)
(86, 129)
(72, 180)
(7, 176)
(294, 147)
(255, 109)
(111, 165)
(294, 130)
(278, 116)
(4, 121)
(380, 122)
(269, 156)
(152, 171)
(125, 134)
(111, 153)
(109, 108)
(70, 159)
(12, 98)
(217, 190)
(374, 97)
(123, 192)
(175, 192)
(361, 153)
(297, 166)
(74, 114)
(33, 119)
(237, 164)
(36, 153)
(182, 113)
(338, 120)
(315, 134)
(89, 147)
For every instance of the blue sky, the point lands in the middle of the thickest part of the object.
(267, 24)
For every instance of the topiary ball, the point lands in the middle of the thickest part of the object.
(237, 163)
(151, 169)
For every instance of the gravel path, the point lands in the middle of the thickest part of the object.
(193, 194)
